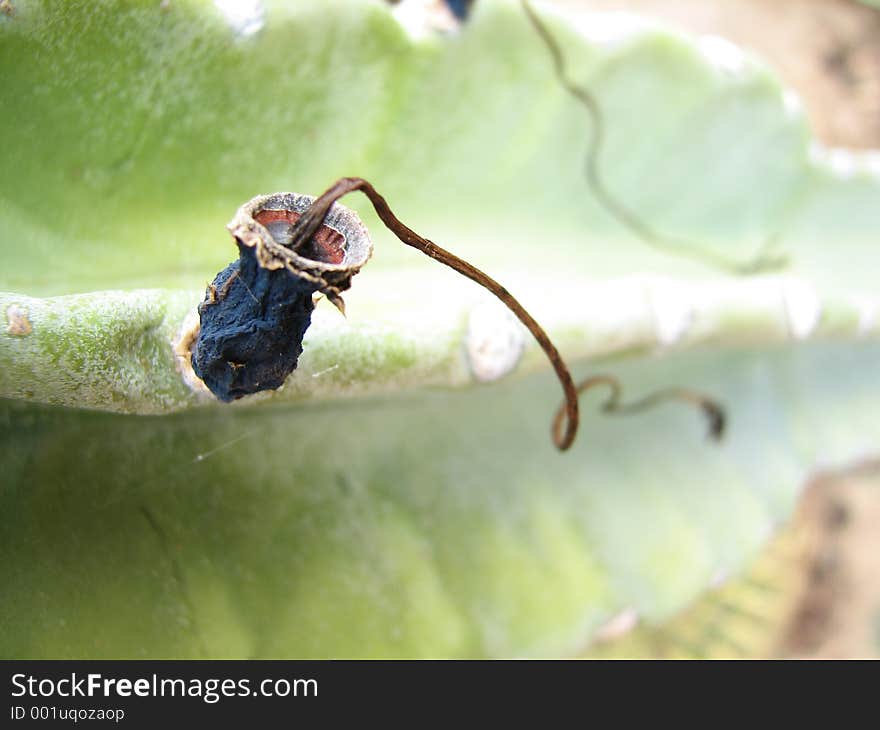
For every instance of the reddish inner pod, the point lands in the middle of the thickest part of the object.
(327, 245)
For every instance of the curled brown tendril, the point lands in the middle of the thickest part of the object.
(566, 421)
(711, 409)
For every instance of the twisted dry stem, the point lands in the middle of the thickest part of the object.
(567, 418)
(312, 219)
(711, 409)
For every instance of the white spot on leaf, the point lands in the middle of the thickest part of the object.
(495, 341)
(869, 315)
(673, 312)
(245, 17)
(17, 322)
(792, 104)
(723, 55)
(871, 159)
(611, 29)
(421, 18)
(803, 308)
(618, 625)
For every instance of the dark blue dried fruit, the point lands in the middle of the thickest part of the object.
(257, 310)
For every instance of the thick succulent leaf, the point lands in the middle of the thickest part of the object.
(436, 521)
(404, 526)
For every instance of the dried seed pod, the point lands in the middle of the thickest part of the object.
(258, 308)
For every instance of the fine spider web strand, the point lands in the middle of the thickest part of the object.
(624, 215)
(310, 221)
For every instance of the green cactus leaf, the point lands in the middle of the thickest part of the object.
(388, 501)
